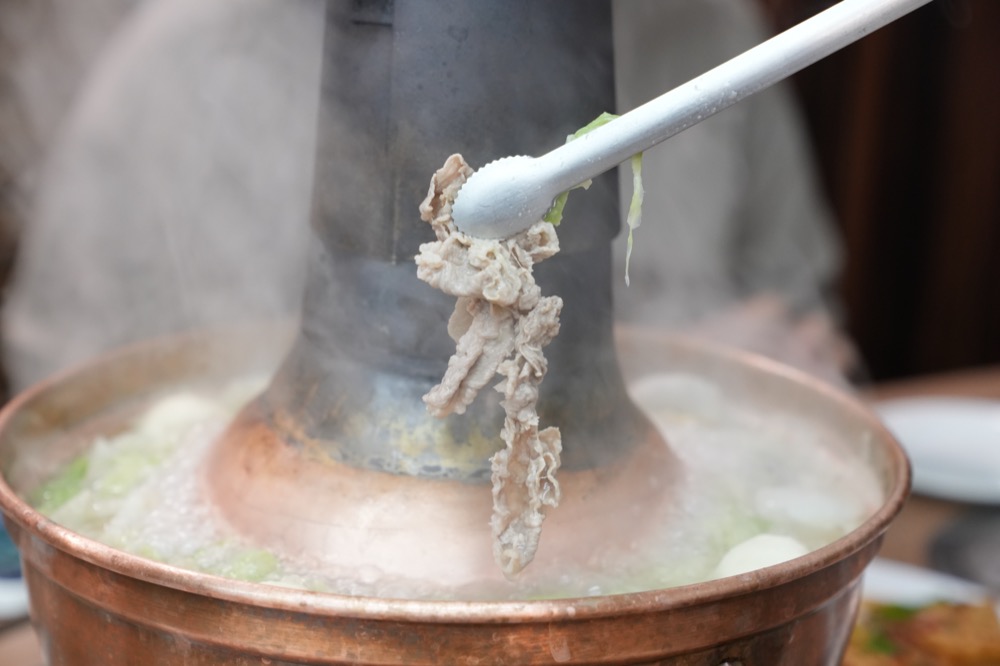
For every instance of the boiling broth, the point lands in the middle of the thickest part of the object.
(756, 489)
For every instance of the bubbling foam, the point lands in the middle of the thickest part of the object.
(756, 489)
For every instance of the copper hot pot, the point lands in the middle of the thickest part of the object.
(92, 604)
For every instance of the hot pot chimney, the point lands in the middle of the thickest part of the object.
(342, 425)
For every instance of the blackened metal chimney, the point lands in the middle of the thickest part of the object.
(404, 85)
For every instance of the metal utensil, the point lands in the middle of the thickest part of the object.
(512, 193)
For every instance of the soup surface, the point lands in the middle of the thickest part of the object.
(756, 489)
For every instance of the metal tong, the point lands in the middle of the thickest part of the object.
(512, 193)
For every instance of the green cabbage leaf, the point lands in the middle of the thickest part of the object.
(634, 217)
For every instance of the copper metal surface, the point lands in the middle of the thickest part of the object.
(435, 531)
(94, 605)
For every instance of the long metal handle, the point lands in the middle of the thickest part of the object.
(509, 195)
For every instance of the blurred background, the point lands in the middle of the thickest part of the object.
(906, 133)
(903, 125)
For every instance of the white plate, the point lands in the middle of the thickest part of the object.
(13, 599)
(953, 443)
(13, 594)
(891, 582)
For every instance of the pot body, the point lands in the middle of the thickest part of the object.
(92, 604)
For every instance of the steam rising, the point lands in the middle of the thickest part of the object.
(731, 205)
(177, 193)
(177, 190)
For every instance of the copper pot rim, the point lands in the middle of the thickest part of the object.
(455, 611)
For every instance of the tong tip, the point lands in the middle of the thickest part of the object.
(501, 199)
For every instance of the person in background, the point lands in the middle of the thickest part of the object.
(174, 123)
